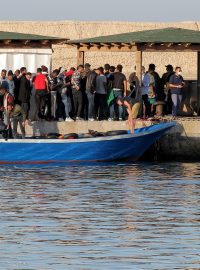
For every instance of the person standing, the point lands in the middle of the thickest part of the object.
(176, 84)
(134, 84)
(153, 93)
(107, 70)
(165, 85)
(7, 105)
(90, 91)
(41, 89)
(57, 107)
(101, 95)
(18, 116)
(145, 91)
(111, 102)
(54, 87)
(16, 79)
(66, 100)
(11, 83)
(24, 91)
(76, 92)
(119, 88)
(157, 87)
(3, 79)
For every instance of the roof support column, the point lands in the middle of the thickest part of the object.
(138, 64)
(80, 58)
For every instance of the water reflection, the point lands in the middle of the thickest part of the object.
(117, 216)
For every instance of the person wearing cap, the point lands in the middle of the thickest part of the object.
(119, 88)
(166, 76)
(44, 69)
(176, 84)
(90, 90)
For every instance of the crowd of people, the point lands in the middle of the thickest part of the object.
(87, 94)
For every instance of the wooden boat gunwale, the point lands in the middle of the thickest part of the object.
(95, 139)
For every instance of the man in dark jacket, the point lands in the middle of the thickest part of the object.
(90, 91)
(24, 91)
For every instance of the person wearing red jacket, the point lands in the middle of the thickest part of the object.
(41, 85)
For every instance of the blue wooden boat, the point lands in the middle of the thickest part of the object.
(98, 149)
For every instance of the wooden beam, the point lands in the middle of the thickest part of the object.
(105, 44)
(187, 45)
(26, 42)
(150, 44)
(125, 44)
(116, 45)
(169, 45)
(138, 64)
(108, 49)
(80, 58)
(96, 45)
(44, 42)
(172, 48)
(85, 44)
(21, 45)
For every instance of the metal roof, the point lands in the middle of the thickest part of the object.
(21, 36)
(173, 35)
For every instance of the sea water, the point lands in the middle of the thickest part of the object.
(105, 216)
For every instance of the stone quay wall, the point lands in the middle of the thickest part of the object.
(63, 56)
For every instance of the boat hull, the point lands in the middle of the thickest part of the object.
(102, 149)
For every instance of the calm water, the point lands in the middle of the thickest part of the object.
(118, 216)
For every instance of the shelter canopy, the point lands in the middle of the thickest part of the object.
(14, 40)
(167, 39)
(29, 50)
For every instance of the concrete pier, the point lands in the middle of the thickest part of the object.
(180, 143)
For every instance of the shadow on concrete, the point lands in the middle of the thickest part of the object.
(44, 127)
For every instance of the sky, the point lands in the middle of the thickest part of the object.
(102, 10)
